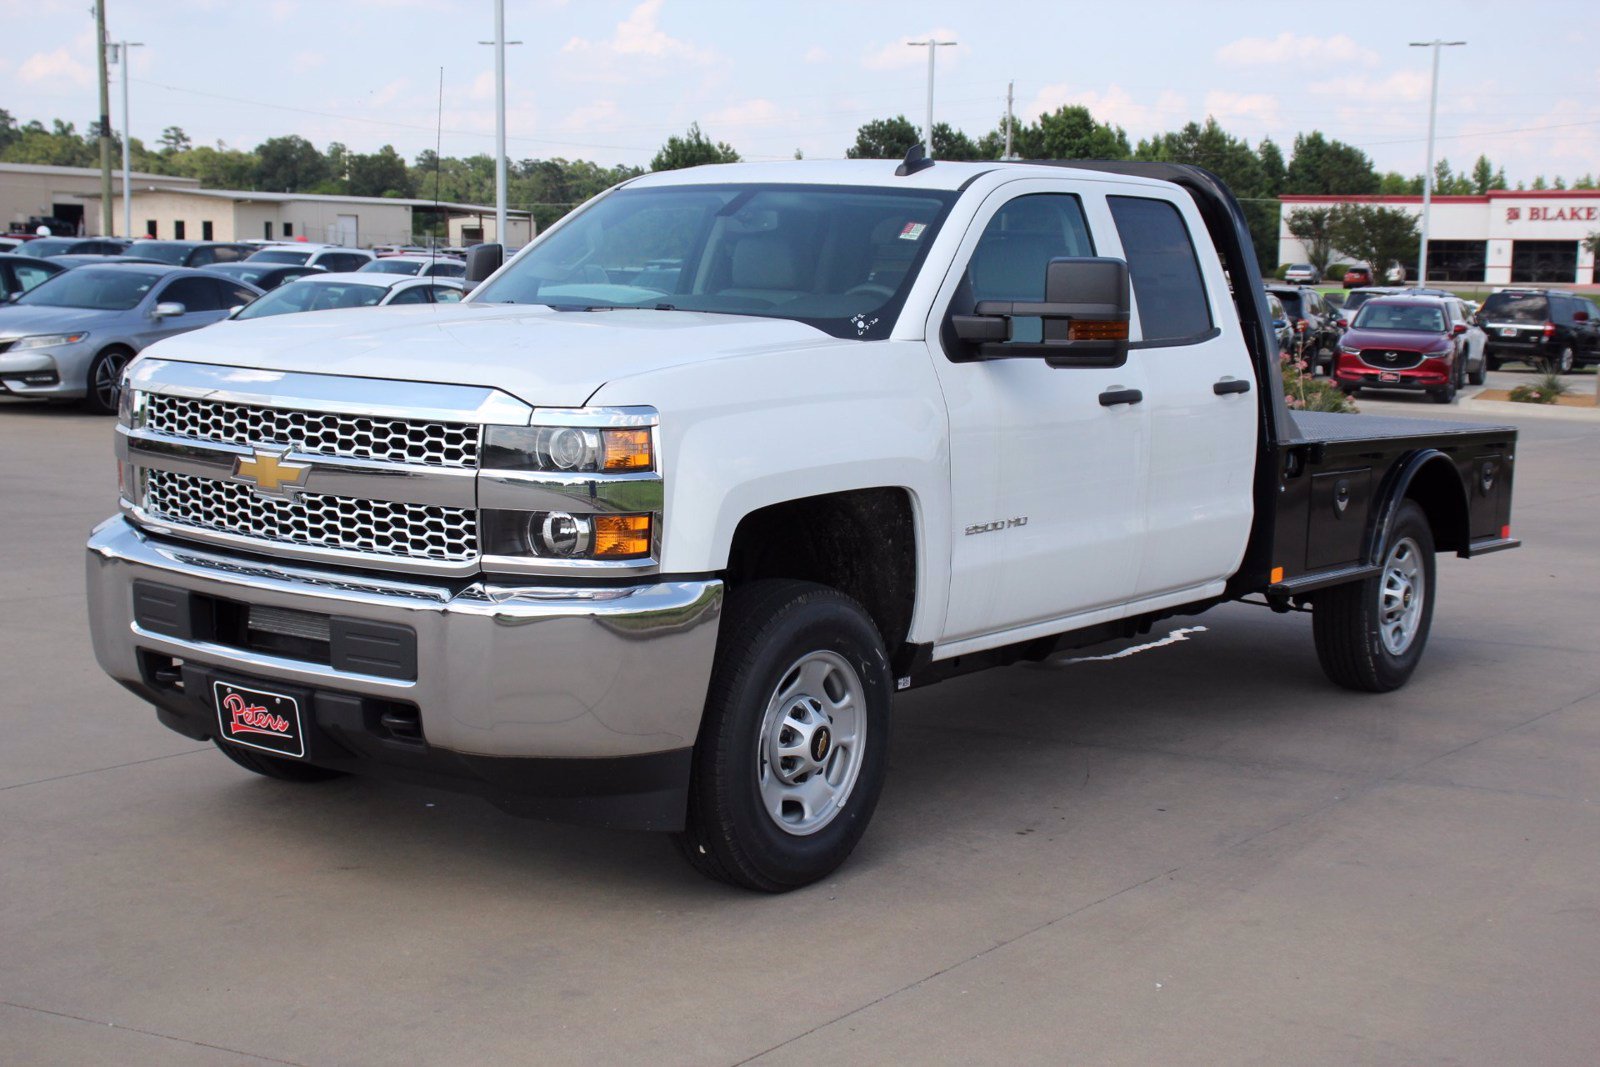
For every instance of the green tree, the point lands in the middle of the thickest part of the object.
(692, 150)
(1393, 183)
(289, 164)
(174, 140)
(1068, 132)
(380, 173)
(1381, 236)
(1322, 166)
(1313, 227)
(1482, 175)
(216, 168)
(1274, 174)
(884, 139)
(1236, 163)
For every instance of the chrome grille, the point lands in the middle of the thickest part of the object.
(436, 444)
(376, 527)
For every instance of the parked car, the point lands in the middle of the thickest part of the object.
(425, 265)
(1282, 328)
(92, 259)
(71, 336)
(18, 274)
(1303, 274)
(1316, 327)
(50, 247)
(264, 276)
(332, 258)
(10, 244)
(190, 253)
(1357, 276)
(1542, 328)
(1474, 342)
(1356, 297)
(326, 292)
(1405, 342)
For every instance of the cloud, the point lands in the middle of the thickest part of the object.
(898, 55)
(1293, 48)
(281, 11)
(1257, 110)
(816, 54)
(57, 66)
(388, 93)
(640, 36)
(601, 114)
(306, 59)
(750, 113)
(1114, 106)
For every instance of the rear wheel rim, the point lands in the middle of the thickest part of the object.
(812, 743)
(107, 384)
(1402, 592)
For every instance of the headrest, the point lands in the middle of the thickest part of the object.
(764, 262)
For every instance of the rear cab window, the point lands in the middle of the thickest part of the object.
(1168, 289)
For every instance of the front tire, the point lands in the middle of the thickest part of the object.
(104, 385)
(794, 744)
(1481, 375)
(276, 767)
(1370, 634)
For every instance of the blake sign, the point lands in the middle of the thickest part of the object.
(1555, 214)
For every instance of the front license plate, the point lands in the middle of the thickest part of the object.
(259, 719)
(1508, 331)
(1388, 376)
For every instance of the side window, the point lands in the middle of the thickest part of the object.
(230, 295)
(1017, 246)
(1585, 305)
(443, 294)
(1161, 262)
(195, 294)
(417, 294)
(28, 276)
(227, 254)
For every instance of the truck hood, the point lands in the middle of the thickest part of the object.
(545, 357)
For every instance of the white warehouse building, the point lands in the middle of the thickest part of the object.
(1503, 237)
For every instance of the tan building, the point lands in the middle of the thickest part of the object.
(35, 191)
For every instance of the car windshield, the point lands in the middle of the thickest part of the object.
(46, 246)
(838, 258)
(1355, 300)
(281, 255)
(1517, 307)
(243, 271)
(98, 289)
(161, 250)
(1291, 304)
(1379, 315)
(314, 296)
(392, 266)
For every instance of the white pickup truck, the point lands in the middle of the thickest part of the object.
(648, 531)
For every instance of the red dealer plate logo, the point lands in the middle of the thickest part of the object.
(259, 719)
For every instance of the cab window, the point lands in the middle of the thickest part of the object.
(1016, 248)
(1165, 273)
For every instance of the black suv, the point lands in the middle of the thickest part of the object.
(1543, 328)
(1322, 332)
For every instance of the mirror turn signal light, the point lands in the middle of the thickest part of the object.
(1096, 330)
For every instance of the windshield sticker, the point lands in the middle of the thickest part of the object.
(912, 231)
(862, 323)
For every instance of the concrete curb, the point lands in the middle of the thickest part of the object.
(1537, 411)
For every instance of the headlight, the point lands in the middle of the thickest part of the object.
(46, 340)
(1347, 350)
(568, 449)
(560, 535)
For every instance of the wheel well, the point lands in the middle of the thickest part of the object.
(862, 542)
(1437, 489)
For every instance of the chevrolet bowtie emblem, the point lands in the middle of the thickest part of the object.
(269, 473)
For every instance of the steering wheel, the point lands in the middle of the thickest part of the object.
(870, 289)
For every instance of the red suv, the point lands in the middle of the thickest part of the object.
(1404, 342)
(1357, 276)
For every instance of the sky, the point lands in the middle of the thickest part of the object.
(610, 81)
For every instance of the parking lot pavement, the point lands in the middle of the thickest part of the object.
(1199, 853)
(1580, 382)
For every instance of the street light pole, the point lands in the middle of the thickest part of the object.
(500, 43)
(927, 130)
(1427, 175)
(105, 117)
(123, 57)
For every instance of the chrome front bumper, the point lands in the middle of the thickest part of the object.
(502, 671)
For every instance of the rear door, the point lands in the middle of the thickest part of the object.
(1200, 393)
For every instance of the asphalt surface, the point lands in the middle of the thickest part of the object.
(1201, 853)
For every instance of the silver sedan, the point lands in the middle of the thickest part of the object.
(69, 338)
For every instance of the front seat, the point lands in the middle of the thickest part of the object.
(765, 269)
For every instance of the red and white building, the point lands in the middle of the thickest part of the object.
(1504, 237)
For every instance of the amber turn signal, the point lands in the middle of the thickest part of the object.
(628, 450)
(1096, 330)
(621, 536)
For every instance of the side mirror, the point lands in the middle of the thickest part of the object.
(1084, 317)
(166, 310)
(233, 312)
(1344, 324)
(483, 260)
(1460, 329)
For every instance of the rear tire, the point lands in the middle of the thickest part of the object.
(283, 770)
(1370, 634)
(1490, 362)
(1481, 375)
(794, 744)
(1561, 364)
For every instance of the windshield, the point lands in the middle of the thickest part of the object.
(1355, 300)
(162, 250)
(244, 272)
(95, 289)
(1517, 307)
(46, 246)
(1291, 304)
(313, 296)
(392, 266)
(1377, 315)
(281, 255)
(835, 257)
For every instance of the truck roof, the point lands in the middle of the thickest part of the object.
(943, 175)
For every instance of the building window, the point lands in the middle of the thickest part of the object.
(288, 229)
(1457, 261)
(1544, 261)
(178, 230)
(205, 231)
(150, 228)
(266, 230)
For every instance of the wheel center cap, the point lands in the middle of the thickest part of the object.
(821, 744)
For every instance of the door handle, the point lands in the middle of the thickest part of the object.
(1231, 385)
(1112, 397)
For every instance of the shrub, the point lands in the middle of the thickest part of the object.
(1282, 272)
(1335, 272)
(1544, 391)
(1302, 392)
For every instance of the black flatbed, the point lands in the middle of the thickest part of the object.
(1333, 426)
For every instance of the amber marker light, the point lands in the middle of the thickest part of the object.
(628, 450)
(1096, 330)
(621, 536)
(1277, 575)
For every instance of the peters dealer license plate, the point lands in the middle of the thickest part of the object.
(259, 719)
(1508, 331)
(1388, 376)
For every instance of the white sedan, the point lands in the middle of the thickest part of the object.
(413, 264)
(325, 292)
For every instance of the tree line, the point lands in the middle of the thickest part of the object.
(1258, 175)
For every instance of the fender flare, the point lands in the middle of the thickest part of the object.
(1442, 496)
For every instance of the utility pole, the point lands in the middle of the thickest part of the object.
(1427, 175)
(105, 117)
(500, 43)
(123, 58)
(1009, 87)
(927, 130)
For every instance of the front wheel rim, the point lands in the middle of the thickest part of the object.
(108, 380)
(812, 743)
(1402, 591)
